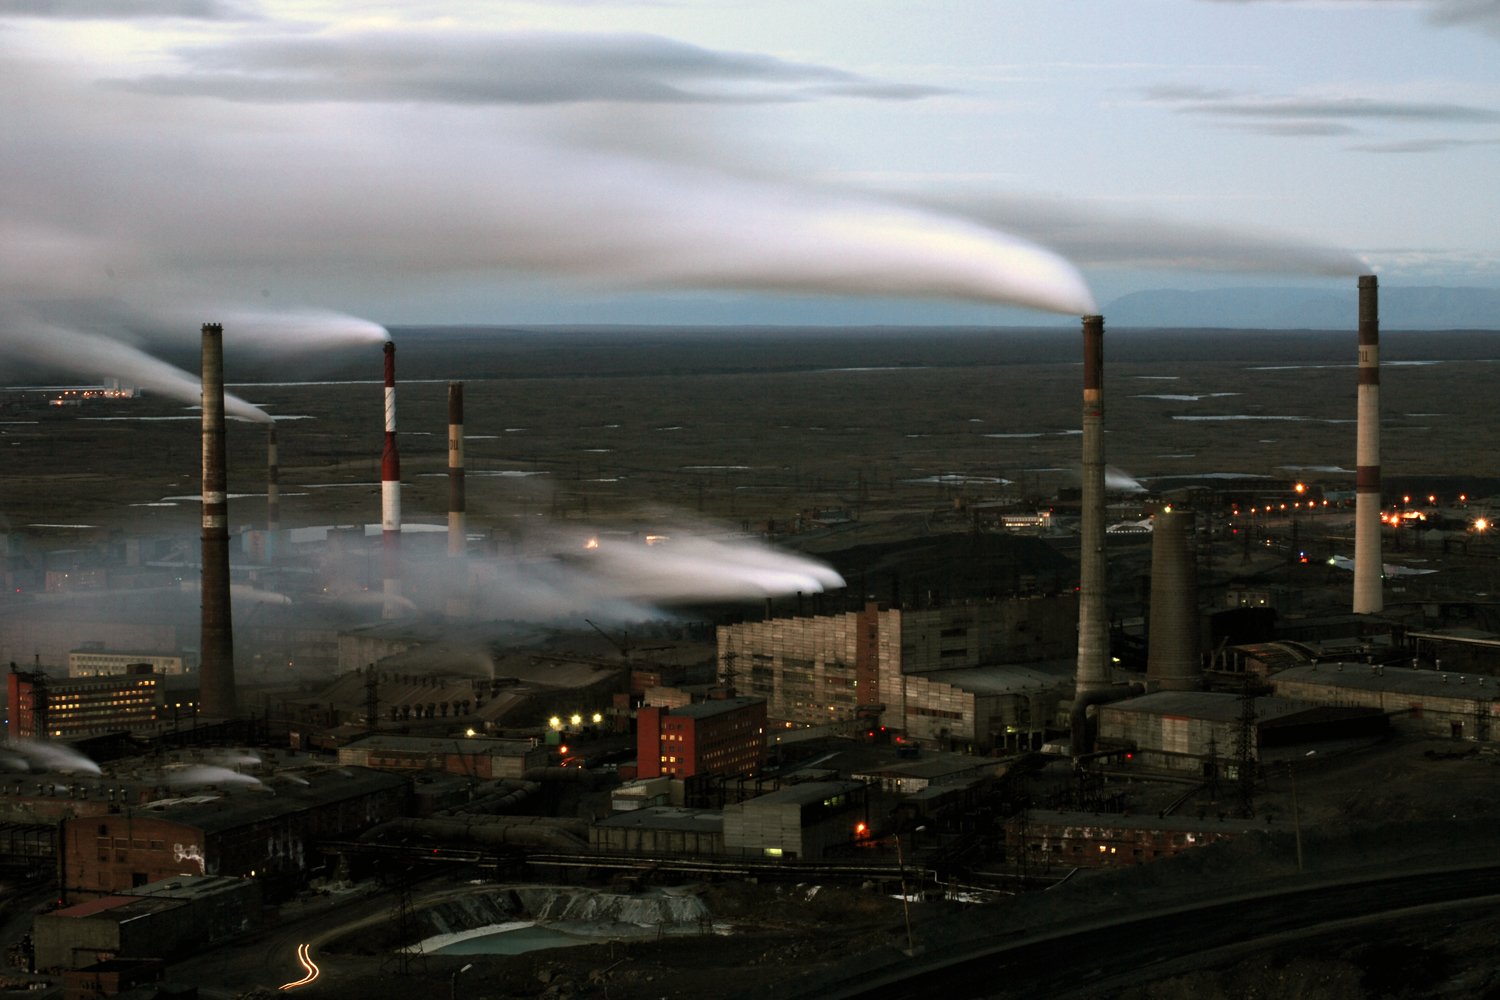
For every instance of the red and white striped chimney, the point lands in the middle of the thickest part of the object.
(390, 493)
(1368, 595)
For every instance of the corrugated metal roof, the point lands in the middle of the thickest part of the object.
(1404, 680)
(1210, 705)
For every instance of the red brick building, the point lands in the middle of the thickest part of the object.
(720, 736)
(247, 833)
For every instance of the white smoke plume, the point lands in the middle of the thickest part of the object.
(205, 774)
(1119, 479)
(271, 200)
(44, 756)
(580, 574)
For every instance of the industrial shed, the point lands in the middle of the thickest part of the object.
(660, 830)
(470, 757)
(266, 832)
(800, 821)
(160, 920)
(1185, 730)
(1462, 706)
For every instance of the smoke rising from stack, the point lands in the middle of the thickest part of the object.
(1368, 595)
(216, 653)
(44, 756)
(1172, 658)
(92, 356)
(559, 578)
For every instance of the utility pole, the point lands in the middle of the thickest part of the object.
(1296, 816)
(1245, 752)
(372, 698)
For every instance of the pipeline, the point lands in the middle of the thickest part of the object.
(513, 794)
(499, 831)
(574, 774)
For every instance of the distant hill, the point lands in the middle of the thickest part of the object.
(1414, 308)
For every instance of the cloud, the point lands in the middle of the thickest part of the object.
(1422, 145)
(1320, 116)
(1481, 14)
(478, 68)
(125, 10)
(1345, 108)
(1298, 128)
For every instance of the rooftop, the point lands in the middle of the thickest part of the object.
(1433, 683)
(715, 706)
(1213, 706)
(186, 887)
(668, 818)
(227, 811)
(806, 793)
(461, 745)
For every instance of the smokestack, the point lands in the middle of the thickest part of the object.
(217, 636)
(1368, 597)
(390, 493)
(457, 526)
(1092, 682)
(273, 486)
(1173, 658)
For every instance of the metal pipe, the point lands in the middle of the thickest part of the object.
(390, 495)
(1368, 596)
(217, 625)
(457, 517)
(1094, 673)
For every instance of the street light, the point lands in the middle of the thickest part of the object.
(453, 985)
(905, 900)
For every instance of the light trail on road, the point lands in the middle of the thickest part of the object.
(307, 963)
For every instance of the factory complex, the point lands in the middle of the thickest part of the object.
(277, 719)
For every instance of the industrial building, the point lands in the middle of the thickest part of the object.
(80, 705)
(718, 736)
(1437, 703)
(469, 757)
(660, 830)
(799, 821)
(944, 676)
(155, 920)
(1090, 840)
(975, 710)
(266, 832)
(94, 661)
(1194, 730)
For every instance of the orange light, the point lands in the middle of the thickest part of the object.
(562, 749)
(592, 543)
(1406, 499)
(1301, 488)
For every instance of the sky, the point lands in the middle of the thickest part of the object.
(729, 161)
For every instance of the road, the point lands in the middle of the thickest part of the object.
(1145, 947)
